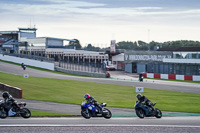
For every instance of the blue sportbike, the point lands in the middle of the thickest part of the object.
(142, 110)
(89, 110)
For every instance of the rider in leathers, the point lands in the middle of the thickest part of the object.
(9, 103)
(90, 99)
(145, 100)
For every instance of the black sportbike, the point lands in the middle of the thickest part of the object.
(17, 109)
(142, 110)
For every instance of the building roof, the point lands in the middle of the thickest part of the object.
(9, 32)
(29, 29)
(184, 49)
(57, 38)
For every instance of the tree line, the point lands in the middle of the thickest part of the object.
(140, 45)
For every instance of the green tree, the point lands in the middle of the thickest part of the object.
(126, 45)
(75, 43)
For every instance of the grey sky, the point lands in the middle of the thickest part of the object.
(99, 21)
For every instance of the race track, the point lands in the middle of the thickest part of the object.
(156, 84)
(93, 125)
(115, 125)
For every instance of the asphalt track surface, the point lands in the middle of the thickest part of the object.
(155, 84)
(114, 125)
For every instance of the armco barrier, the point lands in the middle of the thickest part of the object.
(157, 76)
(172, 76)
(145, 75)
(188, 77)
(14, 91)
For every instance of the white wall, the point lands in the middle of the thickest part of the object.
(164, 76)
(35, 63)
(119, 57)
(54, 42)
(179, 77)
(182, 61)
(196, 78)
(150, 75)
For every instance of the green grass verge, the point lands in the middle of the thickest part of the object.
(67, 91)
(42, 69)
(177, 80)
(37, 113)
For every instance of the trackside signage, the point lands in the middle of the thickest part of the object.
(146, 57)
(26, 76)
(139, 89)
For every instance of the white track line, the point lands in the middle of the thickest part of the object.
(93, 125)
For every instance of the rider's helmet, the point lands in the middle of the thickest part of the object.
(138, 96)
(5, 94)
(86, 96)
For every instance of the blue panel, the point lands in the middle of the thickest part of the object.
(128, 68)
(141, 68)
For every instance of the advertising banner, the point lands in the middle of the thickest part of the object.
(139, 89)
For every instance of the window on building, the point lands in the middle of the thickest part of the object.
(188, 70)
(198, 70)
(194, 55)
(176, 68)
(182, 69)
(166, 69)
(171, 68)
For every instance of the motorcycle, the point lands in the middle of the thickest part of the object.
(16, 110)
(143, 110)
(23, 66)
(141, 77)
(88, 110)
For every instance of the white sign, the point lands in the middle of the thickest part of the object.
(147, 57)
(26, 76)
(139, 89)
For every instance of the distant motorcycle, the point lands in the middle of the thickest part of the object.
(141, 77)
(143, 110)
(16, 110)
(23, 66)
(89, 110)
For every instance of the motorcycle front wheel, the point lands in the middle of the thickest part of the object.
(158, 113)
(139, 113)
(107, 113)
(25, 113)
(3, 114)
(86, 114)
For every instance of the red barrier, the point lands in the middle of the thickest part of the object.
(156, 75)
(145, 75)
(188, 77)
(20, 94)
(172, 76)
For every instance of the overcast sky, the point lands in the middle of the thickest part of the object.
(100, 21)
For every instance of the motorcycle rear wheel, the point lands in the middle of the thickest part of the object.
(107, 115)
(158, 113)
(140, 113)
(25, 113)
(86, 114)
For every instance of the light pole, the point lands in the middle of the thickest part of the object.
(149, 39)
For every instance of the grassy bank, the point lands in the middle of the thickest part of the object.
(66, 91)
(37, 113)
